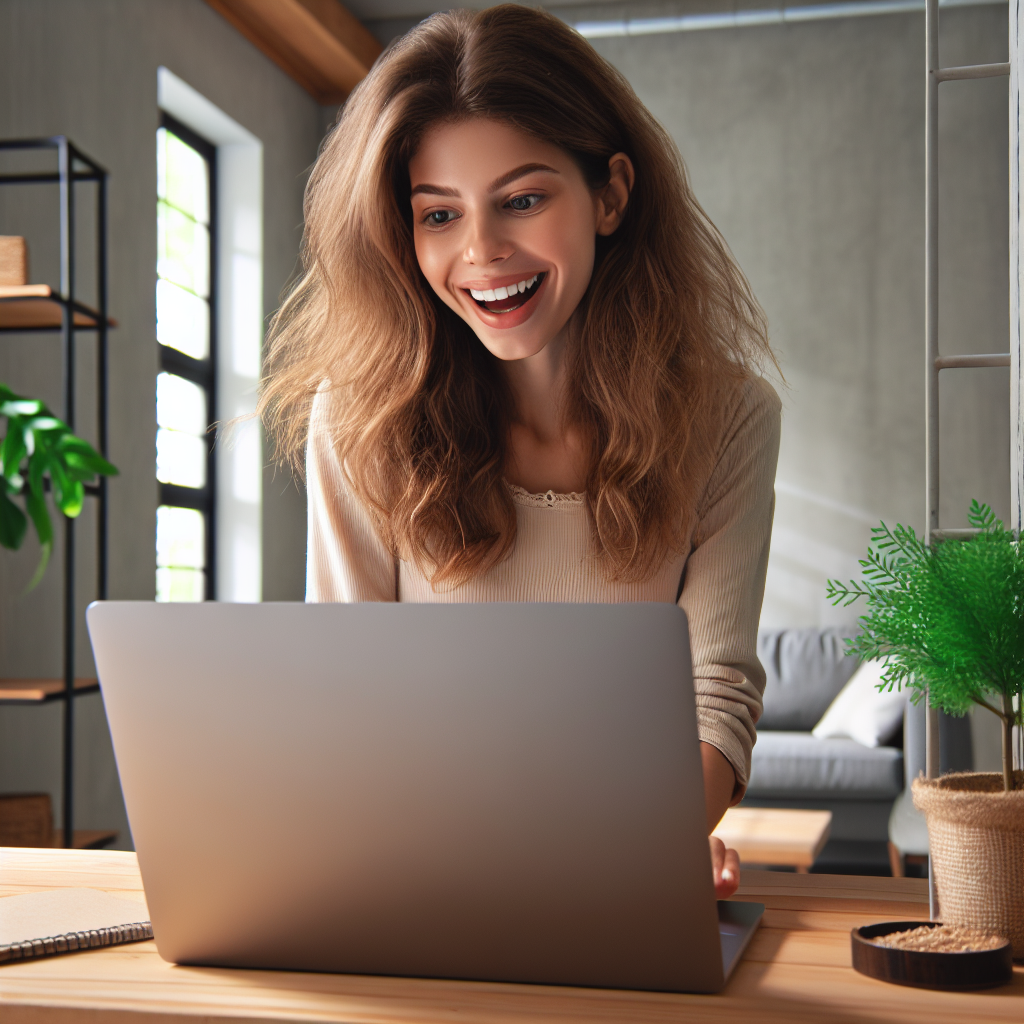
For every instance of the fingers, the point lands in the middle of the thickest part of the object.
(730, 881)
(725, 866)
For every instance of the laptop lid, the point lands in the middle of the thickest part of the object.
(507, 792)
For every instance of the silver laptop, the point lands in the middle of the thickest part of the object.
(502, 792)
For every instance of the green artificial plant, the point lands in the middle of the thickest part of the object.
(949, 617)
(40, 451)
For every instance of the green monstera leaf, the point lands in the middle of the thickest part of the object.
(39, 448)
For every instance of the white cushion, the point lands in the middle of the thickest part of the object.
(861, 712)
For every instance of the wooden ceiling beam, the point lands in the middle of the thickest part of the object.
(317, 43)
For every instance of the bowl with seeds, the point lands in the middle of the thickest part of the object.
(929, 954)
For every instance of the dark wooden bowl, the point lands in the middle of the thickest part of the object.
(957, 971)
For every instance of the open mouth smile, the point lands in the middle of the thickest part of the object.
(505, 300)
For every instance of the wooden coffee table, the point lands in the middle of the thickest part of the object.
(774, 836)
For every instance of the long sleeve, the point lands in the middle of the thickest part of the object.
(725, 575)
(345, 559)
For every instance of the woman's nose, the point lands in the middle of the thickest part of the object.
(485, 244)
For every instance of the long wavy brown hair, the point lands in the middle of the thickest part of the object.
(418, 410)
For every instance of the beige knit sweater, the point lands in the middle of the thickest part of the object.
(722, 569)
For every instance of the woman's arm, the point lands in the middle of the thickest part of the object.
(719, 783)
(724, 579)
(722, 594)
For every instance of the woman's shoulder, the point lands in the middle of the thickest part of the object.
(751, 405)
(745, 452)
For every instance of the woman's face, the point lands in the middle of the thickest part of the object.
(504, 228)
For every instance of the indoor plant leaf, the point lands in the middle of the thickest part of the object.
(15, 406)
(949, 617)
(12, 522)
(37, 445)
(83, 457)
(12, 451)
(35, 503)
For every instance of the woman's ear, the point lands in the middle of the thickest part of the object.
(612, 199)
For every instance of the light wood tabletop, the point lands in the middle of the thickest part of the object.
(797, 970)
(774, 835)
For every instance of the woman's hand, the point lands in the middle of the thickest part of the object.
(725, 868)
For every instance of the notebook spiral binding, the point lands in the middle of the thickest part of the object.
(113, 936)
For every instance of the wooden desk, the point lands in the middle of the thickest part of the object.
(796, 971)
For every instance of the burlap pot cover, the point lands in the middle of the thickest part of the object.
(976, 836)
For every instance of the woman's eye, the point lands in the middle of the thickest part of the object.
(438, 217)
(523, 203)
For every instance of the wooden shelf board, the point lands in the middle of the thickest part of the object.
(25, 291)
(39, 690)
(34, 306)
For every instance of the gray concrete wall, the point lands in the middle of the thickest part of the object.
(88, 69)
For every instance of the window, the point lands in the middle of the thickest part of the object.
(186, 385)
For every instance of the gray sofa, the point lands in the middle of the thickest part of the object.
(806, 669)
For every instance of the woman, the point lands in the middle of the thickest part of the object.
(523, 364)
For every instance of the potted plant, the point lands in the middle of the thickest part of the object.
(949, 620)
(39, 453)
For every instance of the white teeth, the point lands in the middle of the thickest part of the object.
(492, 294)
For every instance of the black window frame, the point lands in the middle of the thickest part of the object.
(202, 372)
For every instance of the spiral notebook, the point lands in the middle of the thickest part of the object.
(65, 920)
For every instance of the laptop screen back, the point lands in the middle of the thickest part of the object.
(506, 792)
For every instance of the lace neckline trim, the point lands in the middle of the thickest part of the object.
(549, 499)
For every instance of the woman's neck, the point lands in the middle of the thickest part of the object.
(544, 455)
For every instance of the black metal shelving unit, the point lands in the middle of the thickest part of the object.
(39, 308)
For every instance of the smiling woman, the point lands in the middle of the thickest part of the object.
(522, 364)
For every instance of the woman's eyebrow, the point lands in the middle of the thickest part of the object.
(435, 190)
(519, 172)
(505, 179)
